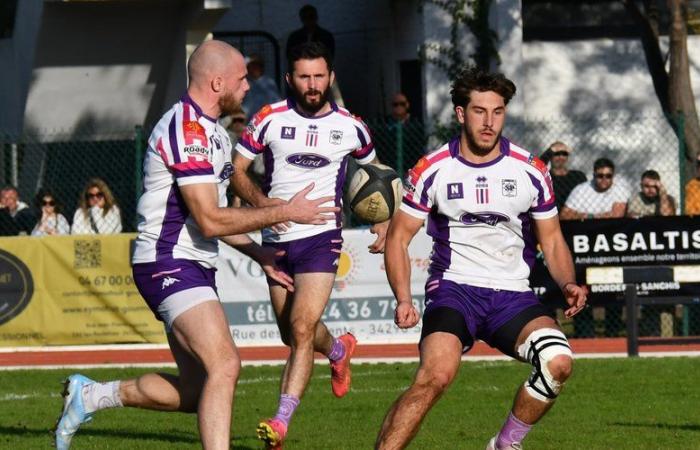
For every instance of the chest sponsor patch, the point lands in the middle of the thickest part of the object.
(455, 191)
(196, 150)
(288, 133)
(509, 188)
(308, 160)
(336, 137)
(488, 218)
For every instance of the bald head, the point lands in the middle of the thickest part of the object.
(211, 59)
(217, 77)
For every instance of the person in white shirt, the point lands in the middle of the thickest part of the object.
(601, 198)
(9, 198)
(97, 211)
(303, 139)
(182, 214)
(488, 202)
(52, 222)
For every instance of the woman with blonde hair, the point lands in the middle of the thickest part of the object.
(97, 211)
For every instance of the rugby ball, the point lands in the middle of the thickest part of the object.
(374, 193)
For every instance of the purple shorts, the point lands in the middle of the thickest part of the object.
(472, 312)
(319, 253)
(172, 287)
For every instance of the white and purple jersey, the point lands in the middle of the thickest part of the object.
(480, 215)
(298, 150)
(186, 147)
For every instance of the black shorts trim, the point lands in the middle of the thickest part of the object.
(505, 338)
(447, 320)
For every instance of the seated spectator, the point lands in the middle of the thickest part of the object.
(692, 192)
(652, 200)
(97, 211)
(599, 199)
(52, 222)
(8, 226)
(563, 179)
(9, 198)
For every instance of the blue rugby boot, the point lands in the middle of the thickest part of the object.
(73, 414)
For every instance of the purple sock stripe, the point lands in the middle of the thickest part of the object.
(288, 404)
(337, 350)
(514, 430)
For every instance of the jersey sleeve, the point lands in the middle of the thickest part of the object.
(252, 141)
(419, 189)
(543, 205)
(185, 150)
(365, 153)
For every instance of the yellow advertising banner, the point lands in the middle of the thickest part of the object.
(71, 290)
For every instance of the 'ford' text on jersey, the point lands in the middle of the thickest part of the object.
(186, 147)
(480, 215)
(298, 150)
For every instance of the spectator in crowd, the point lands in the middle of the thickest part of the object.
(563, 179)
(235, 124)
(263, 89)
(8, 226)
(652, 200)
(9, 198)
(97, 211)
(22, 217)
(310, 32)
(602, 198)
(692, 192)
(411, 144)
(52, 222)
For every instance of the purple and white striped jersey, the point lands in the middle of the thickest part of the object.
(185, 147)
(298, 150)
(480, 215)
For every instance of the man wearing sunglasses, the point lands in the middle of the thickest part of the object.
(563, 179)
(692, 192)
(599, 199)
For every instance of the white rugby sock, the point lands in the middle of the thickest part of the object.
(97, 396)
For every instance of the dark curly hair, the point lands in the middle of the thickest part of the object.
(476, 79)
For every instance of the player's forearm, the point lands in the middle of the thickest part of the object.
(244, 244)
(230, 221)
(398, 269)
(247, 189)
(559, 262)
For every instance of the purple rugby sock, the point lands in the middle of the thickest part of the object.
(288, 404)
(337, 350)
(513, 430)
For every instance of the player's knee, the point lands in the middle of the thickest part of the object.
(560, 367)
(227, 368)
(302, 331)
(550, 355)
(437, 380)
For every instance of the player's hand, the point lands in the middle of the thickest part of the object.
(380, 230)
(304, 210)
(576, 297)
(405, 315)
(267, 258)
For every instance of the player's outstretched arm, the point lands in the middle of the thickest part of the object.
(214, 221)
(245, 187)
(560, 264)
(398, 266)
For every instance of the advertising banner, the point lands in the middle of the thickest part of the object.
(65, 290)
(613, 243)
(361, 301)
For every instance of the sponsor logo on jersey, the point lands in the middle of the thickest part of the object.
(168, 281)
(312, 136)
(308, 160)
(288, 132)
(454, 191)
(226, 172)
(196, 149)
(336, 137)
(488, 218)
(194, 131)
(408, 184)
(482, 190)
(509, 188)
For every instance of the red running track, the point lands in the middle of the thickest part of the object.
(132, 355)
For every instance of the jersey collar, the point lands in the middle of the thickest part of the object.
(187, 99)
(292, 104)
(454, 152)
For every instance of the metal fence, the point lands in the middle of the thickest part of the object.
(64, 163)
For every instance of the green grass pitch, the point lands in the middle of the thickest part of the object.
(647, 403)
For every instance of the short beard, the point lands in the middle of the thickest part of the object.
(477, 149)
(228, 104)
(311, 108)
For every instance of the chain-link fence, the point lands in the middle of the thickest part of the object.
(68, 164)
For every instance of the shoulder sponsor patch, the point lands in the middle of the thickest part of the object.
(192, 131)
